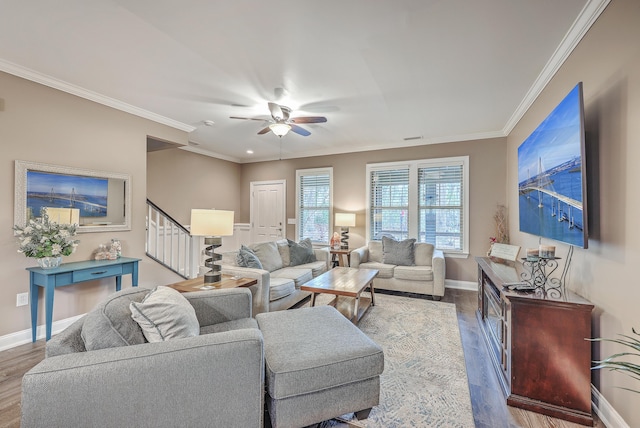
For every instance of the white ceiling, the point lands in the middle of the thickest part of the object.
(379, 71)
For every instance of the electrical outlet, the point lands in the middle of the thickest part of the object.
(22, 299)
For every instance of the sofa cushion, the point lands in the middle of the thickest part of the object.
(238, 324)
(247, 258)
(165, 314)
(399, 253)
(375, 251)
(317, 268)
(384, 270)
(283, 248)
(301, 252)
(268, 254)
(229, 258)
(423, 254)
(414, 273)
(110, 325)
(281, 287)
(297, 274)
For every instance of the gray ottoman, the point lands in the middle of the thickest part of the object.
(318, 366)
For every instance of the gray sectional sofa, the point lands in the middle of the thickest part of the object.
(101, 371)
(416, 268)
(214, 379)
(281, 272)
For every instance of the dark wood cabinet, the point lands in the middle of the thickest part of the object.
(537, 344)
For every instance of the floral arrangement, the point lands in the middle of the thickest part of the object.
(41, 237)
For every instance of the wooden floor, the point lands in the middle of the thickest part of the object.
(489, 407)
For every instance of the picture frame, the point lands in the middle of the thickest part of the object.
(103, 198)
(504, 251)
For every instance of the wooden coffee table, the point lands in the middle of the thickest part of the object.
(347, 284)
(227, 281)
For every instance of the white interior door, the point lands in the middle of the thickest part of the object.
(268, 210)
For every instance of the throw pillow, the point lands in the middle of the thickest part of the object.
(269, 255)
(301, 252)
(247, 258)
(109, 324)
(400, 253)
(283, 248)
(165, 314)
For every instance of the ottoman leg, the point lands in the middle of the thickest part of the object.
(363, 414)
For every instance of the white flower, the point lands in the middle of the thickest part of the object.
(43, 238)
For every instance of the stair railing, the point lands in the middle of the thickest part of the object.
(170, 244)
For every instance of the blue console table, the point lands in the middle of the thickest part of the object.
(73, 273)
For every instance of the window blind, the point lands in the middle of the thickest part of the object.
(314, 199)
(440, 206)
(389, 201)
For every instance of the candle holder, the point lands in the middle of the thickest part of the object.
(537, 274)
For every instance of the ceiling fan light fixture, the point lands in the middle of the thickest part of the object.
(280, 129)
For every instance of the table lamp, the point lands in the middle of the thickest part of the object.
(345, 221)
(212, 224)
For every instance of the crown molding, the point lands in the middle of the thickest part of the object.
(590, 12)
(78, 91)
(205, 152)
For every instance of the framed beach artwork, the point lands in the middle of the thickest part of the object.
(103, 199)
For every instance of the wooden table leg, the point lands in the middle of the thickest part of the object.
(355, 318)
(373, 295)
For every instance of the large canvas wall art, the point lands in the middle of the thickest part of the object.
(552, 198)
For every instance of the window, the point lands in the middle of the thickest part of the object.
(389, 204)
(423, 199)
(314, 204)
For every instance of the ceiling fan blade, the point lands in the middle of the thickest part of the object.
(264, 130)
(276, 111)
(248, 118)
(308, 119)
(298, 130)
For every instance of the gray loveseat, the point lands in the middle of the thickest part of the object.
(279, 278)
(424, 274)
(215, 379)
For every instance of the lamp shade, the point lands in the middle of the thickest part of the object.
(345, 219)
(211, 222)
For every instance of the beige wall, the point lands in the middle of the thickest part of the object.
(40, 124)
(487, 170)
(607, 61)
(178, 181)
(44, 125)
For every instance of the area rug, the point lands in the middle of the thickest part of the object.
(424, 383)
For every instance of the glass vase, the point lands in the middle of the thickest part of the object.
(49, 262)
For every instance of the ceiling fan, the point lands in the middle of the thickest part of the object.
(281, 122)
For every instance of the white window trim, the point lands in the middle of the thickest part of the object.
(413, 194)
(314, 171)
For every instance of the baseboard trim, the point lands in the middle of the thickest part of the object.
(461, 285)
(18, 338)
(607, 414)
